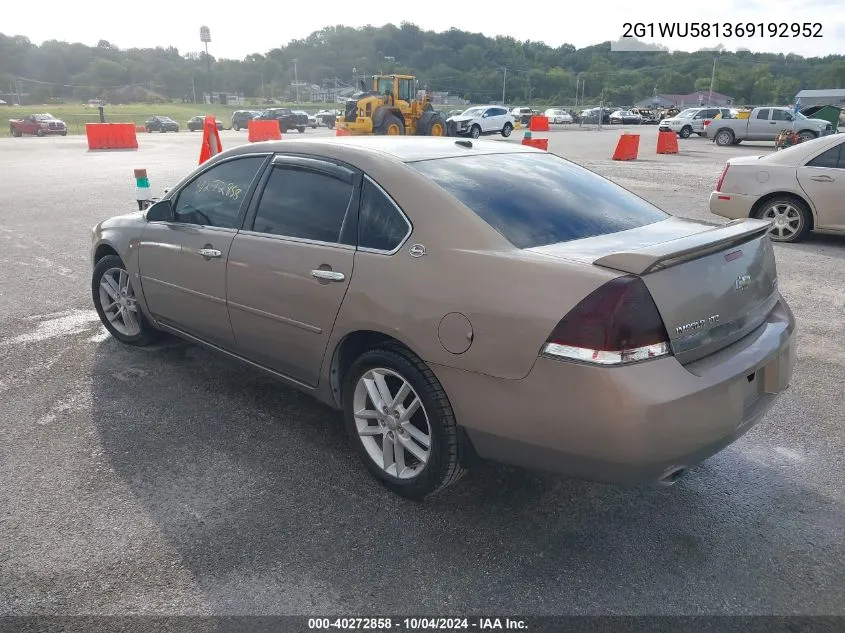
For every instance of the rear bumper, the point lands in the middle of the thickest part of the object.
(626, 425)
(731, 205)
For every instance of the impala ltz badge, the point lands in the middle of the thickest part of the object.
(697, 325)
(742, 282)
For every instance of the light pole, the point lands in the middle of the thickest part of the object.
(504, 84)
(296, 81)
(205, 36)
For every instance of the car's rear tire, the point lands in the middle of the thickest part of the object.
(121, 315)
(379, 390)
(724, 138)
(506, 131)
(39, 132)
(15, 133)
(236, 127)
(475, 131)
(685, 132)
(301, 129)
(791, 218)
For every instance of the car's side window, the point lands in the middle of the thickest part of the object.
(303, 204)
(763, 114)
(381, 226)
(215, 197)
(831, 159)
(781, 115)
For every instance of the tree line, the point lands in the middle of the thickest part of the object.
(470, 65)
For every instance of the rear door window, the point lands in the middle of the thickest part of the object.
(381, 225)
(552, 200)
(831, 159)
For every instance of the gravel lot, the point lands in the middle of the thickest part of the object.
(172, 481)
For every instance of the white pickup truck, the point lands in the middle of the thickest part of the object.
(764, 124)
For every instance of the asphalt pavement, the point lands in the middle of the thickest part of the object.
(173, 481)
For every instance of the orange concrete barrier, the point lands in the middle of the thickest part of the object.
(111, 136)
(667, 143)
(264, 131)
(538, 124)
(341, 132)
(628, 147)
(539, 143)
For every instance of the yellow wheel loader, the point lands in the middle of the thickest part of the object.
(391, 108)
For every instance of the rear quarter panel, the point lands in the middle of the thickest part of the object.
(512, 298)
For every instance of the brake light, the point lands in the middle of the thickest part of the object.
(707, 122)
(614, 325)
(722, 177)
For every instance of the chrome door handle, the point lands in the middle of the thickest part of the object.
(821, 178)
(328, 275)
(209, 252)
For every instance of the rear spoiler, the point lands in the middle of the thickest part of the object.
(650, 258)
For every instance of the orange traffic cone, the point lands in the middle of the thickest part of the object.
(628, 147)
(210, 140)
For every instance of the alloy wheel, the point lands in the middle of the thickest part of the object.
(392, 423)
(787, 221)
(119, 303)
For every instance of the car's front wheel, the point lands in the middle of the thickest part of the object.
(685, 132)
(401, 422)
(506, 131)
(116, 304)
(475, 131)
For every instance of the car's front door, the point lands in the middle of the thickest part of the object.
(183, 262)
(823, 178)
(290, 267)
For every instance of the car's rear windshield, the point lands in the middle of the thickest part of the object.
(539, 199)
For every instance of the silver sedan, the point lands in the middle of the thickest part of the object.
(798, 189)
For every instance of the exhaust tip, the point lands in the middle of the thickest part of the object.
(671, 476)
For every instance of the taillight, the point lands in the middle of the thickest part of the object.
(707, 122)
(616, 324)
(722, 177)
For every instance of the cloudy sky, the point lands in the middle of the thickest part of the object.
(237, 29)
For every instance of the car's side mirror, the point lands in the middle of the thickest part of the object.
(161, 211)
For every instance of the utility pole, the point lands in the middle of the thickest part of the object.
(504, 84)
(193, 89)
(712, 79)
(296, 81)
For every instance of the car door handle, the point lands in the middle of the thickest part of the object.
(209, 252)
(821, 178)
(328, 275)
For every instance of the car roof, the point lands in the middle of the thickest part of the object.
(406, 149)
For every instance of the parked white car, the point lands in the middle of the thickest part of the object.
(693, 121)
(522, 114)
(482, 120)
(558, 115)
(799, 188)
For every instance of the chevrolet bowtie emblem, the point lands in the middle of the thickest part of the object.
(742, 282)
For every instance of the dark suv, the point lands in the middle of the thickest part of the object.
(241, 118)
(288, 120)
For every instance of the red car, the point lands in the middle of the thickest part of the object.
(38, 124)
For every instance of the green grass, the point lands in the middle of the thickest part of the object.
(77, 115)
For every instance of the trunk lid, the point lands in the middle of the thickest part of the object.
(712, 283)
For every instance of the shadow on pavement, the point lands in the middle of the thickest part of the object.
(258, 491)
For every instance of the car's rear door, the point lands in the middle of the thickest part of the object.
(183, 262)
(761, 127)
(290, 267)
(823, 178)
